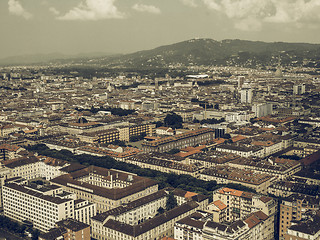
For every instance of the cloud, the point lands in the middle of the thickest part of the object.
(252, 14)
(54, 11)
(16, 8)
(146, 8)
(190, 3)
(93, 10)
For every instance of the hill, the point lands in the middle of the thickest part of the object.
(209, 52)
(196, 52)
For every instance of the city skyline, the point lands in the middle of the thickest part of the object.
(122, 26)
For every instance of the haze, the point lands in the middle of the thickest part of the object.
(123, 26)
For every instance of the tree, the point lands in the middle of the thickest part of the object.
(173, 120)
(173, 151)
(171, 201)
(160, 210)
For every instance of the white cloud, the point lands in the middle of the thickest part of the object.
(16, 8)
(190, 3)
(251, 14)
(93, 10)
(146, 8)
(54, 11)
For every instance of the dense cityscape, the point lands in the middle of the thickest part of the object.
(181, 152)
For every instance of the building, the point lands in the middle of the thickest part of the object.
(278, 167)
(260, 182)
(25, 167)
(154, 228)
(305, 229)
(246, 94)
(103, 136)
(188, 139)
(262, 109)
(24, 203)
(68, 229)
(164, 163)
(293, 208)
(107, 188)
(200, 226)
(299, 89)
(8, 151)
(240, 203)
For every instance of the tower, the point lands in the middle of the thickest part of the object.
(246, 94)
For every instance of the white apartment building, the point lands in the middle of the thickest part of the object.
(43, 205)
(24, 204)
(25, 167)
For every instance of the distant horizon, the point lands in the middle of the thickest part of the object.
(105, 53)
(128, 26)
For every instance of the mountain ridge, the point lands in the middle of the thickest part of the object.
(208, 52)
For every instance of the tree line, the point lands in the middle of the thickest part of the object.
(185, 182)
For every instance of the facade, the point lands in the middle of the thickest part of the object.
(155, 228)
(107, 188)
(299, 89)
(8, 151)
(188, 139)
(23, 203)
(163, 163)
(68, 229)
(240, 204)
(25, 167)
(246, 94)
(43, 205)
(224, 175)
(293, 208)
(308, 229)
(199, 226)
(262, 109)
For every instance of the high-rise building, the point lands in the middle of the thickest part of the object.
(43, 205)
(246, 94)
(293, 208)
(299, 89)
(240, 81)
(262, 109)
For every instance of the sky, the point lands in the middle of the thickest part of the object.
(124, 26)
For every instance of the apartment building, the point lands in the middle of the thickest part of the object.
(183, 196)
(211, 158)
(103, 136)
(43, 205)
(242, 150)
(225, 174)
(188, 139)
(25, 167)
(8, 151)
(154, 228)
(278, 167)
(163, 163)
(200, 226)
(21, 203)
(240, 203)
(293, 208)
(108, 188)
(307, 229)
(286, 188)
(30, 167)
(68, 229)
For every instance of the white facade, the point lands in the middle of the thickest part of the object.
(246, 95)
(21, 203)
(262, 109)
